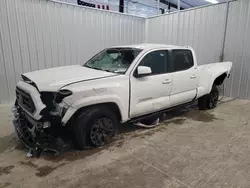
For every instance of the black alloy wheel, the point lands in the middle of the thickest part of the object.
(102, 131)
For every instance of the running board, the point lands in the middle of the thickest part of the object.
(137, 119)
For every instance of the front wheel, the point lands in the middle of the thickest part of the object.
(210, 100)
(96, 127)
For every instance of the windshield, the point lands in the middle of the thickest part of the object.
(115, 60)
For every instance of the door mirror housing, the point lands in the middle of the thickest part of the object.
(143, 71)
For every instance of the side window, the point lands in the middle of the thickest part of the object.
(182, 60)
(157, 61)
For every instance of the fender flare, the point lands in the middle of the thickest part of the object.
(95, 100)
(223, 75)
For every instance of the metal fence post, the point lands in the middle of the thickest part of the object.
(224, 33)
(178, 13)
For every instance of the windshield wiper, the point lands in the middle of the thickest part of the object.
(99, 68)
(107, 70)
(93, 67)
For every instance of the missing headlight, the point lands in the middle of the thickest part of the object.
(62, 94)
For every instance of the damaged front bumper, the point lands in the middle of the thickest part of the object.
(39, 135)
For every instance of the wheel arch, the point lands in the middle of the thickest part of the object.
(218, 80)
(112, 106)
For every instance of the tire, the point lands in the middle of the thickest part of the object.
(213, 98)
(202, 102)
(210, 100)
(94, 127)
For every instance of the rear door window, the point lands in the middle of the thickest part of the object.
(182, 60)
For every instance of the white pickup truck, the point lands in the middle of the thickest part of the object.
(119, 84)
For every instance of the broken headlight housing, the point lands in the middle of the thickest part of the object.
(62, 94)
(62, 108)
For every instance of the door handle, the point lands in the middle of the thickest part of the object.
(193, 76)
(167, 81)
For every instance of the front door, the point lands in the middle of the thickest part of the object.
(151, 93)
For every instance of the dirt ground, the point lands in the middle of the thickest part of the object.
(190, 149)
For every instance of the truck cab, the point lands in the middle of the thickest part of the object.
(173, 80)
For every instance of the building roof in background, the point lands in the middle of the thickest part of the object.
(194, 3)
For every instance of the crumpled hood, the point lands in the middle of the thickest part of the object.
(55, 78)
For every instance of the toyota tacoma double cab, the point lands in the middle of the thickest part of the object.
(134, 83)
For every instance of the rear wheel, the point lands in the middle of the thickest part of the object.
(213, 98)
(96, 126)
(210, 100)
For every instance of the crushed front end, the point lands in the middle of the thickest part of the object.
(37, 120)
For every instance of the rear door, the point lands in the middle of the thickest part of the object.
(185, 80)
(151, 93)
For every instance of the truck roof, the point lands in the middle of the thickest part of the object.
(151, 46)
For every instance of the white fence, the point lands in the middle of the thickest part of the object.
(207, 29)
(38, 34)
(201, 28)
(237, 49)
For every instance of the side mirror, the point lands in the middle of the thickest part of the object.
(143, 71)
